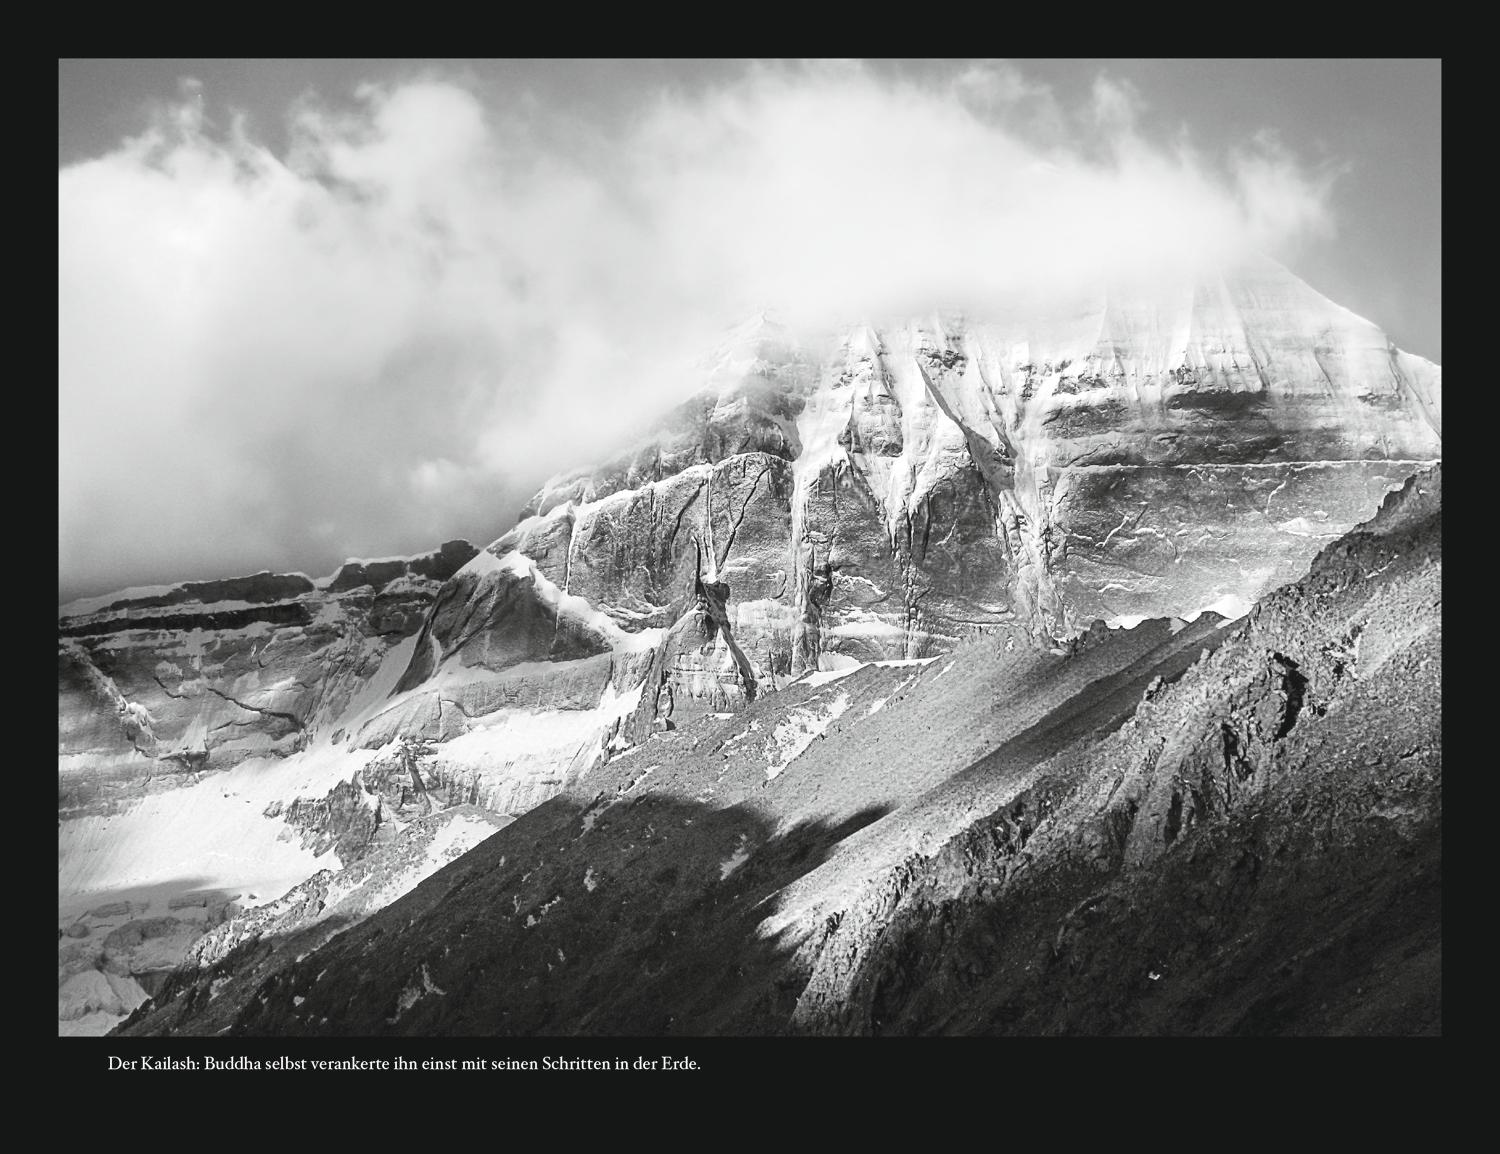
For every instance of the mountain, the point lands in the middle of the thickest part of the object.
(882, 494)
(886, 493)
(1207, 828)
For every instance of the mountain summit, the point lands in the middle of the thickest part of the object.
(884, 493)
(887, 490)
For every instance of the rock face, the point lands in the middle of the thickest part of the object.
(1177, 829)
(196, 756)
(198, 677)
(890, 492)
(884, 493)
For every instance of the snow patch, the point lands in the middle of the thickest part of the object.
(1302, 527)
(738, 858)
(579, 609)
(482, 562)
(371, 696)
(211, 831)
(457, 837)
(803, 725)
(824, 676)
(86, 605)
(414, 993)
(542, 912)
(1228, 606)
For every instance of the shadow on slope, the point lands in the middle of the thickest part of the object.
(638, 919)
(1258, 851)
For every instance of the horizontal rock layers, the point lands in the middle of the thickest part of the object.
(884, 494)
(167, 684)
(1211, 828)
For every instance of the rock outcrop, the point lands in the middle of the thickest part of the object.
(885, 493)
(196, 761)
(1177, 829)
(895, 492)
(160, 686)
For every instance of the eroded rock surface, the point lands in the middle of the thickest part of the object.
(159, 687)
(884, 493)
(894, 492)
(1176, 829)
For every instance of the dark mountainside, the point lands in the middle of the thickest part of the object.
(841, 700)
(1173, 829)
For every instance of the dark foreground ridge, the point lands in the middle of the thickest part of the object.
(1178, 829)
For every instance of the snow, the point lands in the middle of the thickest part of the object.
(861, 625)
(577, 608)
(374, 561)
(148, 615)
(483, 562)
(412, 994)
(824, 676)
(94, 992)
(847, 665)
(85, 605)
(324, 582)
(501, 737)
(738, 858)
(542, 912)
(1302, 527)
(457, 837)
(600, 807)
(1229, 606)
(209, 835)
(499, 740)
(803, 725)
(371, 697)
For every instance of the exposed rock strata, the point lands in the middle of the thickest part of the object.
(889, 494)
(1130, 455)
(160, 687)
(1175, 830)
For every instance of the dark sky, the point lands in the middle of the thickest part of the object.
(314, 309)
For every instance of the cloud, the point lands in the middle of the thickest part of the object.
(1280, 203)
(1116, 103)
(389, 333)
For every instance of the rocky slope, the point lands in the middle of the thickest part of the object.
(195, 770)
(173, 682)
(893, 492)
(888, 492)
(1176, 829)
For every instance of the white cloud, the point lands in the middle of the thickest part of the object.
(1280, 204)
(428, 303)
(1116, 103)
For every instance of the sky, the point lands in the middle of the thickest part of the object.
(309, 310)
